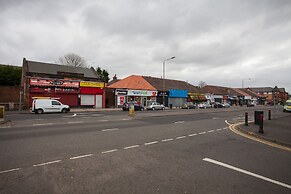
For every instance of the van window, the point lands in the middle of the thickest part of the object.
(55, 103)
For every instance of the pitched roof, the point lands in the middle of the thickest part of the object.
(262, 89)
(134, 82)
(54, 69)
(171, 84)
(215, 90)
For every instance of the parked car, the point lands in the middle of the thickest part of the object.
(287, 106)
(201, 106)
(207, 105)
(155, 106)
(137, 107)
(225, 105)
(250, 104)
(217, 105)
(40, 106)
(188, 105)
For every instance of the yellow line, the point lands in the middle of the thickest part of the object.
(233, 126)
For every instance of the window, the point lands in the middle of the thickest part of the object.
(55, 103)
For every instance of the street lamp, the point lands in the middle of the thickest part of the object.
(164, 63)
(242, 82)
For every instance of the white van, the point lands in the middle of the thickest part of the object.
(40, 106)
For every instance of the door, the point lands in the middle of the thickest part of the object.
(87, 100)
(98, 103)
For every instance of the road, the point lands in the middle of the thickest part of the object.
(172, 151)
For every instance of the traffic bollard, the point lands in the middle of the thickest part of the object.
(269, 115)
(261, 119)
(246, 119)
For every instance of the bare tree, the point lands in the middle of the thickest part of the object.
(72, 59)
(201, 84)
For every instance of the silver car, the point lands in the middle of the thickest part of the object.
(156, 106)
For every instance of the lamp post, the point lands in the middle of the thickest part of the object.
(164, 86)
(242, 82)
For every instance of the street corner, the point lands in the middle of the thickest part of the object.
(5, 124)
(250, 133)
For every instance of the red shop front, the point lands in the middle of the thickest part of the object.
(92, 94)
(63, 90)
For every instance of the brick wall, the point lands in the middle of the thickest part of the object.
(9, 94)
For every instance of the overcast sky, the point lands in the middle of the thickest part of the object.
(219, 42)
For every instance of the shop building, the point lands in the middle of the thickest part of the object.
(74, 86)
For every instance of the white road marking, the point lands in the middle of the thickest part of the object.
(165, 140)
(202, 133)
(181, 137)
(83, 156)
(247, 172)
(210, 131)
(70, 116)
(218, 129)
(11, 170)
(5, 127)
(225, 128)
(75, 122)
(43, 124)
(129, 147)
(150, 143)
(109, 151)
(87, 117)
(178, 122)
(126, 119)
(103, 120)
(47, 163)
(193, 134)
(113, 129)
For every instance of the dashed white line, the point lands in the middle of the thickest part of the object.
(5, 127)
(82, 156)
(225, 128)
(218, 129)
(181, 137)
(210, 131)
(11, 170)
(165, 140)
(247, 172)
(129, 147)
(103, 120)
(150, 143)
(193, 134)
(202, 133)
(109, 151)
(113, 129)
(76, 122)
(47, 163)
(178, 122)
(126, 119)
(43, 124)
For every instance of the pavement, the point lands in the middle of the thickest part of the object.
(276, 130)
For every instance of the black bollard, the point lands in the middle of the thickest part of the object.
(269, 115)
(261, 120)
(246, 119)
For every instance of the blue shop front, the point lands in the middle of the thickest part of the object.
(177, 97)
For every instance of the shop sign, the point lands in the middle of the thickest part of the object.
(53, 82)
(121, 92)
(217, 96)
(92, 84)
(141, 93)
(120, 100)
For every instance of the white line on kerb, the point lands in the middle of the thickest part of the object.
(165, 140)
(247, 172)
(113, 129)
(83, 156)
(109, 151)
(202, 133)
(150, 143)
(46, 163)
(129, 147)
(181, 137)
(11, 170)
(210, 131)
(43, 124)
(76, 122)
(193, 134)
